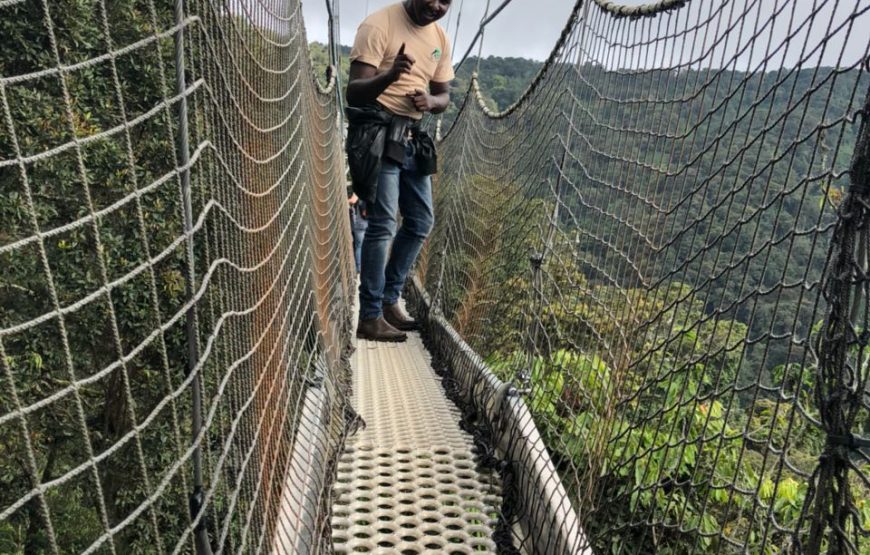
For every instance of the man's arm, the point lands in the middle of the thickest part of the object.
(435, 101)
(366, 84)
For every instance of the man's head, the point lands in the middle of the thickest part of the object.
(424, 12)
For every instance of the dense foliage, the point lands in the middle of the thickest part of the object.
(94, 274)
(655, 426)
(44, 359)
(671, 372)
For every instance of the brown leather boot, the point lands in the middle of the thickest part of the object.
(377, 329)
(396, 317)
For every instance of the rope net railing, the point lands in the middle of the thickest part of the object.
(175, 271)
(663, 246)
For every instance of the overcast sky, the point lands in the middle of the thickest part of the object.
(530, 28)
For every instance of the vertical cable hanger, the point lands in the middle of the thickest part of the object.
(482, 31)
(458, 21)
(339, 97)
(486, 20)
(196, 499)
(332, 10)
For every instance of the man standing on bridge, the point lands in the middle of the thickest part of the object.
(400, 68)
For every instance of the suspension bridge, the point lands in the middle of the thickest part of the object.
(645, 298)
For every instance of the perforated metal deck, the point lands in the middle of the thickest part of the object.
(409, 483)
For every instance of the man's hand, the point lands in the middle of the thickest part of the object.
(401, 65)
(423, 101)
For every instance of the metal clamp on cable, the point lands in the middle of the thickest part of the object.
(524, 382)
(196, 501)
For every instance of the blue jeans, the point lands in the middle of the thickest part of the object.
(384, 270)
(358, 226)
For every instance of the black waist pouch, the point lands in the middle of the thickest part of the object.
(394, 148)
(425, 154)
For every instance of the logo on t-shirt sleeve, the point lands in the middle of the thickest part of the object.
(436, 54)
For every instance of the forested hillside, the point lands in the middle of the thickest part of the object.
(503, 80)
(769, 210)
(679, 297)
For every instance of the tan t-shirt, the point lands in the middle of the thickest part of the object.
(377, 43)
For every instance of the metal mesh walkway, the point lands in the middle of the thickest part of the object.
(408, 482)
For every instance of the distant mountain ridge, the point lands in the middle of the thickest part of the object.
(502, 80)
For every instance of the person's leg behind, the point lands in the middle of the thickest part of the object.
(359, 231)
